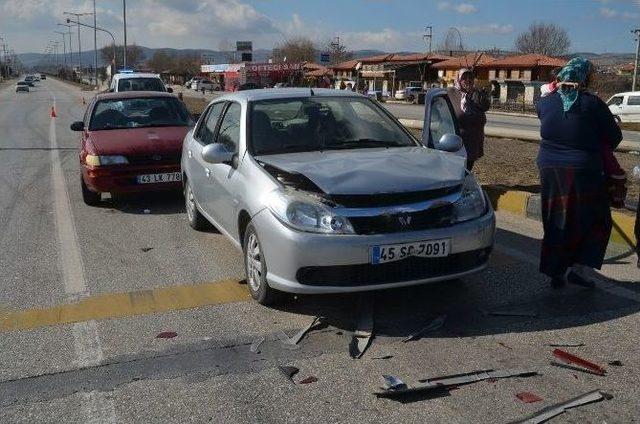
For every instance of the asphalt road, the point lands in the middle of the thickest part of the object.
(85, 291)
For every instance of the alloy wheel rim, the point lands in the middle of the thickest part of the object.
(254, 263)
(190, 203)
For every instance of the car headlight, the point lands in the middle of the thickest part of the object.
(101, 160)
(304, 213)
(472, 204)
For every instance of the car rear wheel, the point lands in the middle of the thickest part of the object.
(256, 269)
(195, 218)
(90, 198)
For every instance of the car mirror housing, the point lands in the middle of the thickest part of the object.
(77, 126)
(217, 153)
(449, 143)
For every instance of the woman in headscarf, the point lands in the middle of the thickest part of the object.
(575, 203)
(470, 105)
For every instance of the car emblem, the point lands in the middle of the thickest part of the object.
(156, 157)
(405, 221)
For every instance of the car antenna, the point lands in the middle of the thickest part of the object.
(312, 93)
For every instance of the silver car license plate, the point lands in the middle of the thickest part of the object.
(422, 249)
(169, 177)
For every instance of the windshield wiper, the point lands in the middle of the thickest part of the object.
(288, 149)
(363, 143)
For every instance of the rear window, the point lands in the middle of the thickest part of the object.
(141, 84)
(140, 112)
(633, 101)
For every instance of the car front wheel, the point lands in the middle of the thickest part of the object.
(195, 218)
(256, 269)
(90, 198)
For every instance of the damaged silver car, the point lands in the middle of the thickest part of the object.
(324, 191)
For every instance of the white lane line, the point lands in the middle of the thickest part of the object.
(601, 282)
(98, 406)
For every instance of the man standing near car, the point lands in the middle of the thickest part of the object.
(470, 105)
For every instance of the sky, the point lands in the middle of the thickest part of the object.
(391, 25)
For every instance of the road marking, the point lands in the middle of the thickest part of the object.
(119, 305)
(98, 408)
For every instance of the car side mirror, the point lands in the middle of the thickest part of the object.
(216, 153)
(77, 126)
(169, 90)
(449, 143)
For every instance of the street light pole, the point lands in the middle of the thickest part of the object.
(70, 46)
(113, 38)
(64, 45)
(124, 17)
(77, 15)
(95, 42)
(635, 64)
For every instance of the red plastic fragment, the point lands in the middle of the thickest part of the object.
(576, 360)
(167, 335)
(492, 380)
(528, 397)
(308, 380)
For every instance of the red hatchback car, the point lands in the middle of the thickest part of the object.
(131, 142)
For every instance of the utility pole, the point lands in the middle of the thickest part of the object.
(95, 42)
(77, 15)
(64, 45)
(124, 18)
(70, 47)
(428, 36)
(635, 64)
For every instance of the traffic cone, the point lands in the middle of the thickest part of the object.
(53, 112)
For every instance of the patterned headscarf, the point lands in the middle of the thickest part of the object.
(463, 101)
(576, 71)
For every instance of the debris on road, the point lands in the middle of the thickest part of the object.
(553, 411)
(296, 339)
(566, 344)
(616, 363)
(383, 357)
(528, 397)
(364, 328)
(392, 382)
(146, 249)
(308, 380)
(505, 346)
(569, 358)
(289, 372)
(434, 325)
(255, 346)
(167, 335)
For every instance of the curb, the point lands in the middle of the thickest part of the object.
(528, 205)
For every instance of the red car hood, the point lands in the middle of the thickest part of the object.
(138, 141)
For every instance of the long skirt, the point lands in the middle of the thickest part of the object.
(576, 218)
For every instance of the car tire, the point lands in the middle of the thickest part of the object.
(196, 220)
(255, 268)
(90, 198)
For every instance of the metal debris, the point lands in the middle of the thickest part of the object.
(434, 325)
(255, 346)
(392, 382)
(146, 249)
(167, 335)
(364, 328)
(289, 372)
(555, 410)
(528, 397)
(569, 358)
(383, 357)
(292, 341)
(569, 344)
(308, 380)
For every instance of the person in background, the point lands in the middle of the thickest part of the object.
(470, 106)
(576, 215)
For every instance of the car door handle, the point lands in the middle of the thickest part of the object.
(207, 172)
(190, 154)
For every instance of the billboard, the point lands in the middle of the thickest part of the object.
(244, 46)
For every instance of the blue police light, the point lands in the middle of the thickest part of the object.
(125, 71)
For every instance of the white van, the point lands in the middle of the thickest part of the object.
(625, 106)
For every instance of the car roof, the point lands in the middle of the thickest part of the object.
(286, 93)
(136, 75)
(133, 95)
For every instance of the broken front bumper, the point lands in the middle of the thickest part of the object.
(299, 262)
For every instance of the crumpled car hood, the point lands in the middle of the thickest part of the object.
(372, 171)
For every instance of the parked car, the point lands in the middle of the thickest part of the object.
(408, 93)
(249, 86)
(138, 82)
(625, 107)
(189, 84)
(22, 86)
(131, 142)
(43, 77)
(324, 191)
(200, 84)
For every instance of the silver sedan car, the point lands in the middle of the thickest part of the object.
(324, 191)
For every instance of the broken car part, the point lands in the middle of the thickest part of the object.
(364, 328)
(392, 382)
(296, 339)
(569, 358)
(434, 325)
(255, 346)
(289, 372)
(555, 410)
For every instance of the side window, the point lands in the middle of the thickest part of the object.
(229, 133)
(206, 132)
(633, 101)
(442, 121)
(616, 101)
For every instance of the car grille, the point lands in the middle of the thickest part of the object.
(155, 159)
(409, 269)
(435, 217)
(390, 199)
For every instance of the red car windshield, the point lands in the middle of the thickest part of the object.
(139, 113)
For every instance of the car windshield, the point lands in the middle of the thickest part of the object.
(322, 123)
(141, 84)
(139, 112)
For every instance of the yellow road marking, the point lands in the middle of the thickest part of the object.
(118, 305)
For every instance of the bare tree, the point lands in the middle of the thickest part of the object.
(135, 55)
(161, 61)
(337, 52)
(296, 50)
(548, 39)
